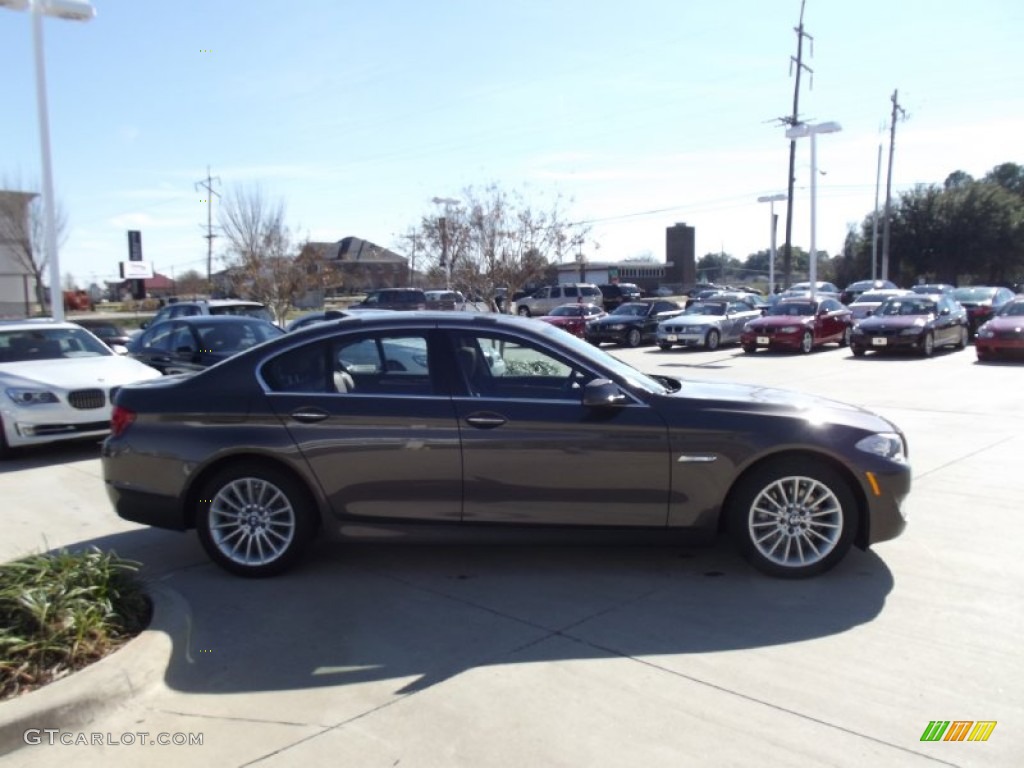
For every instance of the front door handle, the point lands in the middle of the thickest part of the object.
(486, 420)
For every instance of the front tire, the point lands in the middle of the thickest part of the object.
(633, 337)
(928, 345)
(857, 350)
(254, 520)
(712, 340)
(793, 517)
(806, 343)
(664, 347)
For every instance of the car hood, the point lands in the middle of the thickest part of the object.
(694, 319)
(77, 372)
(876, 322)
(812, 408)
(617, 320)
(780, 321)
(1014, 323)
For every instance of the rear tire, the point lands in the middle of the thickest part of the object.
(962, 343)
(793, 517)
(664, 347)
(254, 520)
(858, 351)
(749, 349)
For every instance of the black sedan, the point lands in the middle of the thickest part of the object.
(912, 322)
(633, 323)
(108, 331)
(192, 343)
(461, 420)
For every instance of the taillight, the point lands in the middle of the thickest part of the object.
(120, 419)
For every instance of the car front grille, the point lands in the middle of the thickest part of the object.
(85, 399)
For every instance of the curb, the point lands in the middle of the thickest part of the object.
(83, 696)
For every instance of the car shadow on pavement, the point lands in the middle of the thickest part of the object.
(408, 616)
(54, 454)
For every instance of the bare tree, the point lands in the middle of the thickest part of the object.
(23, 232)
(191, 283)
(264, 265)
(496, 239)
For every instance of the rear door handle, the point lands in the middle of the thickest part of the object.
(309, 415)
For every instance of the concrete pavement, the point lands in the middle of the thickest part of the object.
(591, 654)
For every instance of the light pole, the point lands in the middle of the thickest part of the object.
(773, 199)
(73, 10)
(446, 263)
(812, 130)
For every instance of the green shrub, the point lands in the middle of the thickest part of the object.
(61, 612)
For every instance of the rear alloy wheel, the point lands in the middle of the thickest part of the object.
(847, 335)
(633, 337)
(962, 342)
(928, 345)
(806, 343)
(793, 517)
(524, 311)
(254, 521)
(712, 339)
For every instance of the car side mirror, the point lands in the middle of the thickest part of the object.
(601, 393)
(119, 349)
(186, 352)
(945, 311)
(869, 313)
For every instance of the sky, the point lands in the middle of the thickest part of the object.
(630, 116)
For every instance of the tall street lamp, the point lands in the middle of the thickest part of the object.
(773, 199)
(73, 10)
(812, 130)
(442, 222)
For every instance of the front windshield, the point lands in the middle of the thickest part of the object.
(973, 294)
(912, 306)
(572, 310)
(1012, 309)
(793, 309)
(704, 308)
(49, 344)
(631, 310)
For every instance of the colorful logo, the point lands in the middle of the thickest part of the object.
(958, 730)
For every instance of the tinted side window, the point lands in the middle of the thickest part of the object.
(298, 370)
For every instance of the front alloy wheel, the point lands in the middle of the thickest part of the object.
(254, 521)
(928, 345)
(633, 337)
(793, 517)
(806, 343)
(712, 339)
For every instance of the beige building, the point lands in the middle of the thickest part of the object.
(17, 283)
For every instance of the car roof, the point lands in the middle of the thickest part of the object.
(36, 322)
(215, 319)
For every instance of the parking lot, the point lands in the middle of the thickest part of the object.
(600, 653)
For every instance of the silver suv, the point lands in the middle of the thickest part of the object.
(212, 307)
(551, 296)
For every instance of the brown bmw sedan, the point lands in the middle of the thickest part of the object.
(462, 420)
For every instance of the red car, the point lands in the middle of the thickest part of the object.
(573, 317)
(799, 324)
(981, 302)
(1004, 333)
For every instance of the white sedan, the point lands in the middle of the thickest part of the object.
(56, 381)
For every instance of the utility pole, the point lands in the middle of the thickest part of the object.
(896, 108)
(794, 119)
(207, 185)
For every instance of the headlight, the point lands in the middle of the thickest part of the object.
(616, 327)
(789, 329)
(31, 396)
(986, 333)
(888, 445)
(910, 331)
